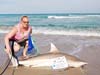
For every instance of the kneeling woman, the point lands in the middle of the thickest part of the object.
(18, 36)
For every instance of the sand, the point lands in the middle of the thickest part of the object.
(84, 47)
(38, 71)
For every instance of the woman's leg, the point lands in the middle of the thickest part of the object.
(16, 47)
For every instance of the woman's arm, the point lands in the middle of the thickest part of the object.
(31, 30)
(7, 38)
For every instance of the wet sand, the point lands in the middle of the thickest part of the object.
(85, 48)
(41, 71)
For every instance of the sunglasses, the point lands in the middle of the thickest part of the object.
(25, 21)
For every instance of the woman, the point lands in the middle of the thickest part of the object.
(19, 36)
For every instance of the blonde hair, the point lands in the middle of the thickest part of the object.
(23, 17)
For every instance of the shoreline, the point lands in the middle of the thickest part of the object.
(85, 33)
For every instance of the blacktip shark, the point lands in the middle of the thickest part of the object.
(54, 59)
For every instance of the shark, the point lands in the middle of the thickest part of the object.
(53, 59)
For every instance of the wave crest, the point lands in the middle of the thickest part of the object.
(61, 17)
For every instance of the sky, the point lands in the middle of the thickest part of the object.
(49, 6)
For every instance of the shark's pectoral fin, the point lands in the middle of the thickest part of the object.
(53, 49)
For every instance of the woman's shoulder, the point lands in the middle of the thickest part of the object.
(15, 27)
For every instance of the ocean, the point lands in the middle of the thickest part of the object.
(87, 24)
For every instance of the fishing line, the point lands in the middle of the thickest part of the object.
(6, 66)
(12, 53)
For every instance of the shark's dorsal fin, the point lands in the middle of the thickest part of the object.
(53, 49)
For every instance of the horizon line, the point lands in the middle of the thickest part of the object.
(55, 13)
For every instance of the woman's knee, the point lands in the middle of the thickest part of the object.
(16, 47)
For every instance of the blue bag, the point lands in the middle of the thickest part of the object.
(31, 47)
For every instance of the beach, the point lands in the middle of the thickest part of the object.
(84, 47)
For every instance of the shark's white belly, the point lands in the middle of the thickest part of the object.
(36, 63)
(55, 63)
